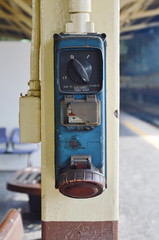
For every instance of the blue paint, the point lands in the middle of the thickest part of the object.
(93, 142)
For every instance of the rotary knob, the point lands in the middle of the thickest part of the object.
(79, 71)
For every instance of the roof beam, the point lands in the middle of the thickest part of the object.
(123, 3)
(149, 13)
(24, 6)
(24, 29)
(10, 35)
(17, 14)
(137, 27)
(9, 27)
(136, 7)
(5, 16)
(10, 17)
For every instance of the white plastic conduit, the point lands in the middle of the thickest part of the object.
(79, 6)
(80, 17)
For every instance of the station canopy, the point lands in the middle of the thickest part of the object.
(138, 15)
(16, 23)
(15, 19)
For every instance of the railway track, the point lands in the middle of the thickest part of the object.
(144, 112)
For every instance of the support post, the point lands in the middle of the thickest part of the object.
(63, 217)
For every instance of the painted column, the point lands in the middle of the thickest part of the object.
(63, 217)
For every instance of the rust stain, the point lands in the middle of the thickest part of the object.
(80, 230)
(75, 143)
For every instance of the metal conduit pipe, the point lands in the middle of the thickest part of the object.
(30, 104)
(34, 82)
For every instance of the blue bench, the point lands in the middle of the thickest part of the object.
(22, 148)
(14, 146)
(19, 147)
(3, 140)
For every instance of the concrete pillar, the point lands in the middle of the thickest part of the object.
(63, 217)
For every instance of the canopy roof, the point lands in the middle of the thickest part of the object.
(15, 17)
(137, 15)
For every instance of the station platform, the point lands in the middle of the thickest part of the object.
(139, 191)
(139, 177)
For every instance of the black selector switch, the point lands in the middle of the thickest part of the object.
(79, 71)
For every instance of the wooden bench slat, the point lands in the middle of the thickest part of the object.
(22, 177)
(27, 180)
(12, 226)
(30, 178)
(38, 178)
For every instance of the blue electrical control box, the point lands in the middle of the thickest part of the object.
(80, 114)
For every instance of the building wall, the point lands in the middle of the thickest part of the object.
(14, 75)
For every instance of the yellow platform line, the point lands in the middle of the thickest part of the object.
(151, 139)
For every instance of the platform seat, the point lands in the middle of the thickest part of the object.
(28, 180)
(21, 148)
(11, 228)
(3, 140)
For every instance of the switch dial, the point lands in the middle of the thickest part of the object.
(79, 71)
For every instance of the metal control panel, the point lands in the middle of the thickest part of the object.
(80, 114)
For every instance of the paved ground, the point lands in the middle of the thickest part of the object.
(139, 177)
(139, 191)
